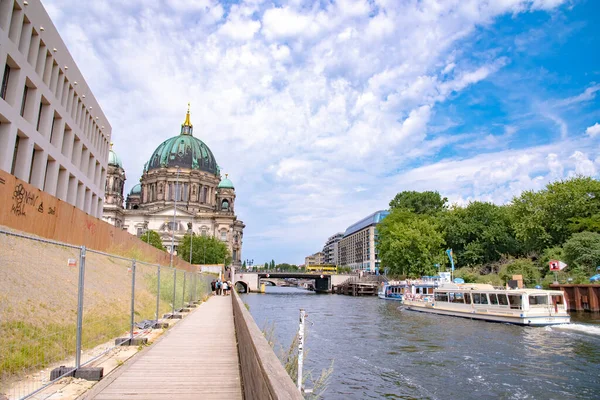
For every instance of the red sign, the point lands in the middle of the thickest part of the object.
(268, 275)
(72, 262)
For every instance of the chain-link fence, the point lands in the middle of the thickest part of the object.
(64, 305)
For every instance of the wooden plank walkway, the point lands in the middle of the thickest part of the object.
(197, 359)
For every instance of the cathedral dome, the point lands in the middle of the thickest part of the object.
(225, 184)
(113, 158)
(136, 190)
(183, 151)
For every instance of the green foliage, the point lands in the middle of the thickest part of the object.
(521, 266)
(410, 244)
(205, 250)
(272, 264)
(469, 274)
(551, 253)
(153, 238)
(286, 267)
(344, 270)
(479, 233)
(548, 217)
(582, 252)
(419, 202)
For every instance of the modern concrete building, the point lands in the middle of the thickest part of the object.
(358, 247)
(182, 174)
(330, 250)
(314, 259)
(53, 133)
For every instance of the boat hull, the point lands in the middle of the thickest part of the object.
(477, 314)
(381, 296)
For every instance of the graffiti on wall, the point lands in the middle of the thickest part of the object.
(23, 200)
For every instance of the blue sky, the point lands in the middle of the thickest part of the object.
(321, 111)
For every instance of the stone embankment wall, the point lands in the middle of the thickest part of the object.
(25, 208)
(263, 376)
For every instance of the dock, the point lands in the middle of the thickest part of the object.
(357, 287)
(197, 359)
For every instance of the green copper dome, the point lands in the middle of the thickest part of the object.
(136, 189)
(225, 184)
(183, 151)
(113, 158)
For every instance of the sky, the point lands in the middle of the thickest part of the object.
(321, 111)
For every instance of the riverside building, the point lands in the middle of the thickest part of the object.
(358, 248)
(53, 133)
(182, 174)
(330, 250)
(314, 259)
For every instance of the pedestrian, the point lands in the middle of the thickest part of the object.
(218, 285)
(229, 287)
(213, 287)
(225, 287)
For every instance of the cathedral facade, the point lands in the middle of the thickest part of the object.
(181, 191)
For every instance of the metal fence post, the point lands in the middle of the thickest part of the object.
(195, 291)
(174, 288)
(132, 298)
(183, 295)
(80, 292)
(158, 293)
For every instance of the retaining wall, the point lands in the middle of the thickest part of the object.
(263, 376)
(28, 209)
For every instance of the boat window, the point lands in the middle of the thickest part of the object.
(479, 298)
(557, 299)
(468, 298)
(515, 301)
(502, 299)
(457, 298)
(493, 299)
(538, 300)
(441, 296)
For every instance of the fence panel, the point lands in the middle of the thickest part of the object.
(106, 303)
(146, 289)
(38, 311)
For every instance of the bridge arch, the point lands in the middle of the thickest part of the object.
(241, 287)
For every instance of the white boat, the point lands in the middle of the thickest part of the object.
(395, 290)
(391, 291)
(532, 307)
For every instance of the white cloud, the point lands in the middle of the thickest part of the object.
(315, 112)
(593, 130)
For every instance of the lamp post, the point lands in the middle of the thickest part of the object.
(191, 239)
(174, 216)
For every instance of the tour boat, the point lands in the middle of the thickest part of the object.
(391, 291)
(395, 290)
(532, 307)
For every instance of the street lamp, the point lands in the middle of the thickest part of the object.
(174, 216)
(191, 241)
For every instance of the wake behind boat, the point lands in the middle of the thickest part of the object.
(532, 307)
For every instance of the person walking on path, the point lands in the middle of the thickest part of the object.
(225, 288)
(213, 287)
(218, 286)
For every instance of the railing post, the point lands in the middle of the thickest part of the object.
(195, 292)
(80, 292)
(132, 298)
(174, 288)
(158, 293)
(183, 295)
(301, 348)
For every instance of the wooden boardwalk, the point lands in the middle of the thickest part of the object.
(197, 359)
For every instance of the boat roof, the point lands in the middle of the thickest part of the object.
(489, 288)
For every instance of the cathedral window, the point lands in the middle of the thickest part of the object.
(204, 191)
(186, 192)
(160, 188)
(224, 236)
(193, 190)
(225, 205)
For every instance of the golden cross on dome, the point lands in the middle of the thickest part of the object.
(187, 117)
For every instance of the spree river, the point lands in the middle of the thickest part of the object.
(380, 351)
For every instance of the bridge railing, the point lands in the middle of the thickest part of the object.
(64, 305)
(263, 376)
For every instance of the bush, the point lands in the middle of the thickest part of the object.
(521, 266)
(582, 252)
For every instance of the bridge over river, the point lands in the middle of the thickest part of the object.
(324, 281)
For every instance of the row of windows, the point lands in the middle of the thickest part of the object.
(37, 53)
(186, 192)
(495, 299)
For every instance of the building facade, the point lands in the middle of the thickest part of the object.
(330, 250)
(358, 248)
(181, 191)
(53, 133)
(314, 259)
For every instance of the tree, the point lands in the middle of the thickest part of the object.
(272, 264)
(410, 244)
(244, 264)
(205, 250)
(549, 217)
(582, 252)
(287, 267)
(153, 238)
(521, 266)
(479, 233)
(419, 202)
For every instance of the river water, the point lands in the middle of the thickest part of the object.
(380, 351)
